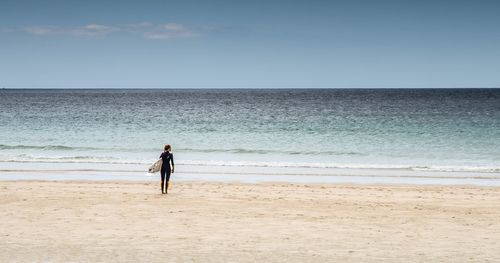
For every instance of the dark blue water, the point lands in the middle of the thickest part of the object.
(434, 129)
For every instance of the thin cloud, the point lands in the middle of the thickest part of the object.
(169, 31)
(174, 27)
(90, 30)
(43, 30)
(146, 30)
(94, 30)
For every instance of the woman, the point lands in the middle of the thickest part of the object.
(167, 158)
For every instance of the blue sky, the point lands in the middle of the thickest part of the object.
(249, 44)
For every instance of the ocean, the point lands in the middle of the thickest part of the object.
(300, 135)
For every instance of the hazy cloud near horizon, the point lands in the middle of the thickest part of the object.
(145, 29)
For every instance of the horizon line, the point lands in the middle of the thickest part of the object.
(206, 88)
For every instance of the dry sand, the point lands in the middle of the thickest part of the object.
(232, 222)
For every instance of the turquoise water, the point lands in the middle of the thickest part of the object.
(448, 130)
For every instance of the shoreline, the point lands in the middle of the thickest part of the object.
(86, 171)
(251, 178)
(250, 183)
(124, 221)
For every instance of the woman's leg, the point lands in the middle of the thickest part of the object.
(162, 180)
(167, 180)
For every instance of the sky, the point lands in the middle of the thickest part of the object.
(249, 44)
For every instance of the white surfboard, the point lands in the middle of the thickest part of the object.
(155, 167)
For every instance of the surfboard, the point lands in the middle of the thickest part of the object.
(155, 167)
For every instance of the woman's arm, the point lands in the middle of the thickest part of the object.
(172, 160)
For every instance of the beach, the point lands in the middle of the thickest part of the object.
(299, 131)
(124, 221)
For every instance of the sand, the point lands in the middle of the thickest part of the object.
(232, 222)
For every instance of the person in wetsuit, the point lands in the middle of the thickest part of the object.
(167, 158)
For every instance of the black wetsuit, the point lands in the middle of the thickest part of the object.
(167, 158)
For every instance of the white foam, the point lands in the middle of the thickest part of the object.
(228, 163)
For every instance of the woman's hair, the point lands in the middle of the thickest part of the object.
(167, 147)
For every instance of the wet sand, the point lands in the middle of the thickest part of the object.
(87, 221)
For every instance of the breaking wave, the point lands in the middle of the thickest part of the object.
(114, 160)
